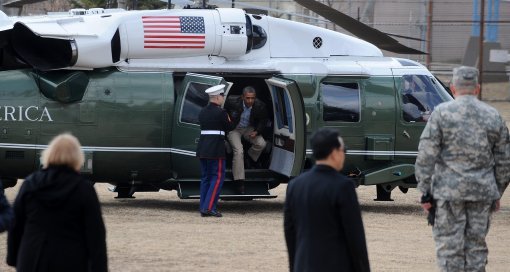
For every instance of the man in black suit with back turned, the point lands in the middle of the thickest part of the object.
(322, 218)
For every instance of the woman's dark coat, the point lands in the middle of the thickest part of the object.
(6, 214)
(58, 224)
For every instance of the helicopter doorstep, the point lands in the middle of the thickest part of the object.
(130, 85)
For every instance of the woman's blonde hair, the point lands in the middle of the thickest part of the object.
(64, 149)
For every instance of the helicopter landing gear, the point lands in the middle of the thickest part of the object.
(123, 190)
(403, 189)
(384, 192)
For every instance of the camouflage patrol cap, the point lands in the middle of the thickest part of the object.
(465, 77)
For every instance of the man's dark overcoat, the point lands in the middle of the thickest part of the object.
(58, 224)
(322, 222)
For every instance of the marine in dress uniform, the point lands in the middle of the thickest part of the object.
(464, 164)
(214, 124)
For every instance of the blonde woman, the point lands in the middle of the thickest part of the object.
(58, 224)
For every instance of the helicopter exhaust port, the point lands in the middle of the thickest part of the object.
(50, 53)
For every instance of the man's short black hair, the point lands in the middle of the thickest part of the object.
(323, 142)
(249, 89)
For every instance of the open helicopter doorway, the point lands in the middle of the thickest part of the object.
(284, 133)
(285, 130)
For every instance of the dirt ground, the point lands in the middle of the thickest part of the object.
(159, 232)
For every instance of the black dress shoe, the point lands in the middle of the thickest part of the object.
(211, 213)
(204, 214)
(215, 214)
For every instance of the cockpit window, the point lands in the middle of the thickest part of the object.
(341, 102)
(420, 94)
(195, 100)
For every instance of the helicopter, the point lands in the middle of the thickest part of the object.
(130, 85)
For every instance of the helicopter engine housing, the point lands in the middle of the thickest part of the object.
(96, 41)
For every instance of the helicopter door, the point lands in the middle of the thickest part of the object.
(288, 150)
(191, 98)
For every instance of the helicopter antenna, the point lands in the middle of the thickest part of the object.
(200, 4)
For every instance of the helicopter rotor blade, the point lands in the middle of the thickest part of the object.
(242, 4)
(359, 29)
(404, 37)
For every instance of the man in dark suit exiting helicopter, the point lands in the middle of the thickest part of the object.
(250, 118)
(214, 124)
(322, 218)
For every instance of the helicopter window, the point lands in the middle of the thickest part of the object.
(341, 102)
(420, 95)
(195, 100)
(282, 106)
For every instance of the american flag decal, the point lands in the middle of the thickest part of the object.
(173, 32)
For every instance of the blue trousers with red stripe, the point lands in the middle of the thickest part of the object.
(213, 175)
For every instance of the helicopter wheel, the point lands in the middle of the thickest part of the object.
(384, 192)
(124, 191)
(403, 189)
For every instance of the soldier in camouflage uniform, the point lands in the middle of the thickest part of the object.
(464, 164)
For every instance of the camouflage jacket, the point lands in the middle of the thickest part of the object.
(464, 152)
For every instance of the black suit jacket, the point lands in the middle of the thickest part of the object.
(258, 115)
(322, 223)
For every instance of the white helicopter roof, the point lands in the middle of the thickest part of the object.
(211, 38)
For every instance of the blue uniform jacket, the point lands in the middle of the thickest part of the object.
(213, 118)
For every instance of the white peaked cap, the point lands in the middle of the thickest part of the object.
(215, 90)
